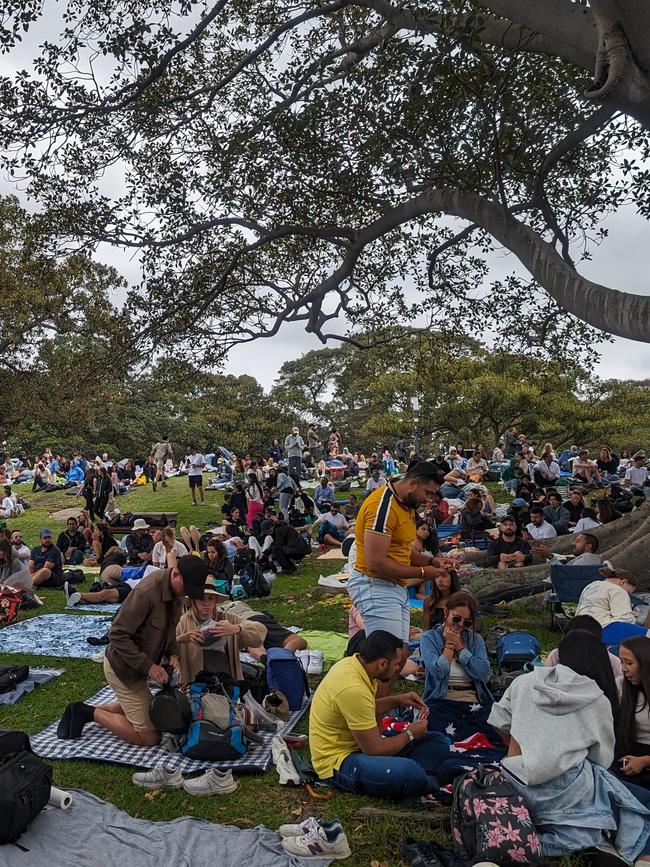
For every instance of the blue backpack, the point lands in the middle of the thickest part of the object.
(205, 740)
(286, 675)
(515, 649)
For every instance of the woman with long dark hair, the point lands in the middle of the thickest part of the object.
(558, 724)
(434, 606)
(633, 729)
(88, 492)
(103, 491)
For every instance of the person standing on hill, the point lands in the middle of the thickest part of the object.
(161, 452)
(196, 462)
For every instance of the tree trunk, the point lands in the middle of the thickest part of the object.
(610, 534)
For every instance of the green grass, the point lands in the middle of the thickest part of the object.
(259, 799)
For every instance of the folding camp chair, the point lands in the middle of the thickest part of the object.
(568, 582)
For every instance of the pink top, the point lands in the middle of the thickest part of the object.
(353, 626)
(554, 657)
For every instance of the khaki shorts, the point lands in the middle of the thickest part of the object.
(134, 700)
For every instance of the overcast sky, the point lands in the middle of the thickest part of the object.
(622, 262)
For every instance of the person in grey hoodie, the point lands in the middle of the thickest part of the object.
(559, 725)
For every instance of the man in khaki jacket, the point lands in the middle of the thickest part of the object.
(142, 635)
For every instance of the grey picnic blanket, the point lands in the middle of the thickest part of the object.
(100, 745)
(100, 607)
(94, 833)
(54, 635)
(37, 676)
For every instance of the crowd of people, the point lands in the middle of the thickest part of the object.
(575, 731)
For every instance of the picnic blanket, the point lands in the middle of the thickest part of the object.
(62, 635)
(100, 745)
(37, 676)
(102, 607)
(332, 644)
(93, 831)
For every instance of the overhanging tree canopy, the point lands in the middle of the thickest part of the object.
(292, 161)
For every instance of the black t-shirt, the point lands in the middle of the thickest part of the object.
(575, 512)
(65, 541)
(500, 546)
(610, 467)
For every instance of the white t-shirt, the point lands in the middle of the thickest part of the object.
(339, 521)
(22, 552)
(584, 525)
(8, 505)
(636, 475)
(159, 553)
(196, 463)
(549, 471)
(606, 602)
(372, 485)
(544, 531)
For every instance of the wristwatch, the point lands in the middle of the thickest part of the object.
(410, 734)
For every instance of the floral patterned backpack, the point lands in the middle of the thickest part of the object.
(490, 821)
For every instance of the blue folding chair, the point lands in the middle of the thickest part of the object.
(568, 582)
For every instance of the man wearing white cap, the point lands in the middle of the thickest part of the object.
(294, 446)
(139, 543)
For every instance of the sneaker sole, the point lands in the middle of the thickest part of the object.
(158, 785)
(335, 856)
(227, 791)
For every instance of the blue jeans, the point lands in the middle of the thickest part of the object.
(410, 772)
(383, 605)
(643, 796)
(451, 492)
(76, 559)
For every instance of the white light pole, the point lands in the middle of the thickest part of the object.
(415, 406)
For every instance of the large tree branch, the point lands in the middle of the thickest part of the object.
(620, 313)
(500, 32)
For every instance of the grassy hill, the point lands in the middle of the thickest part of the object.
(259, 799)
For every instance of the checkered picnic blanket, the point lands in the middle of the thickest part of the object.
(101, 746)
(61, 635)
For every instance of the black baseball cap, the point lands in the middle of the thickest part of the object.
(193, 571)
(510, 518)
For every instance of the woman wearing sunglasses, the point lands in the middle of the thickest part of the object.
(454, 656)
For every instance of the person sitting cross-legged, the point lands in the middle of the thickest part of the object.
(142, 635)
(45, 562)
(347, 747)
(72, 543)
(509, 551)
(331, 526)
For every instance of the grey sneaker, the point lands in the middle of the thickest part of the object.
(308, 825)
(159, 778)
(320, 842)
(212, 782)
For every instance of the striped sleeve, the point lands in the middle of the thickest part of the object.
(380, 524)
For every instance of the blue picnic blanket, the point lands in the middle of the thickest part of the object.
(62, 635)
(36, 677)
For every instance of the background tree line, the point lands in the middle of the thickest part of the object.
(74, 377)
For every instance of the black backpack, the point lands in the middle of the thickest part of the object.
(170, 711)
(244, 557)
(253, 581)
(25, 784)
(11, 675)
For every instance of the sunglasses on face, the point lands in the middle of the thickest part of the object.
(456, 618)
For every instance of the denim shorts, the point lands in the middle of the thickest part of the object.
(383, 605)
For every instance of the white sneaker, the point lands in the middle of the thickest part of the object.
(315, 662)
(303, 658)
(159, 778)
(70, 598)
(319, 843)
(308, 825)
(212, 782)
(283, 764)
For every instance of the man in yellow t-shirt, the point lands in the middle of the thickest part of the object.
(344, 735)
(386, 563)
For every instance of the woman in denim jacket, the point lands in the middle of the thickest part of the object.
(454, 656)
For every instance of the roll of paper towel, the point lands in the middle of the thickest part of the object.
(59, 798)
